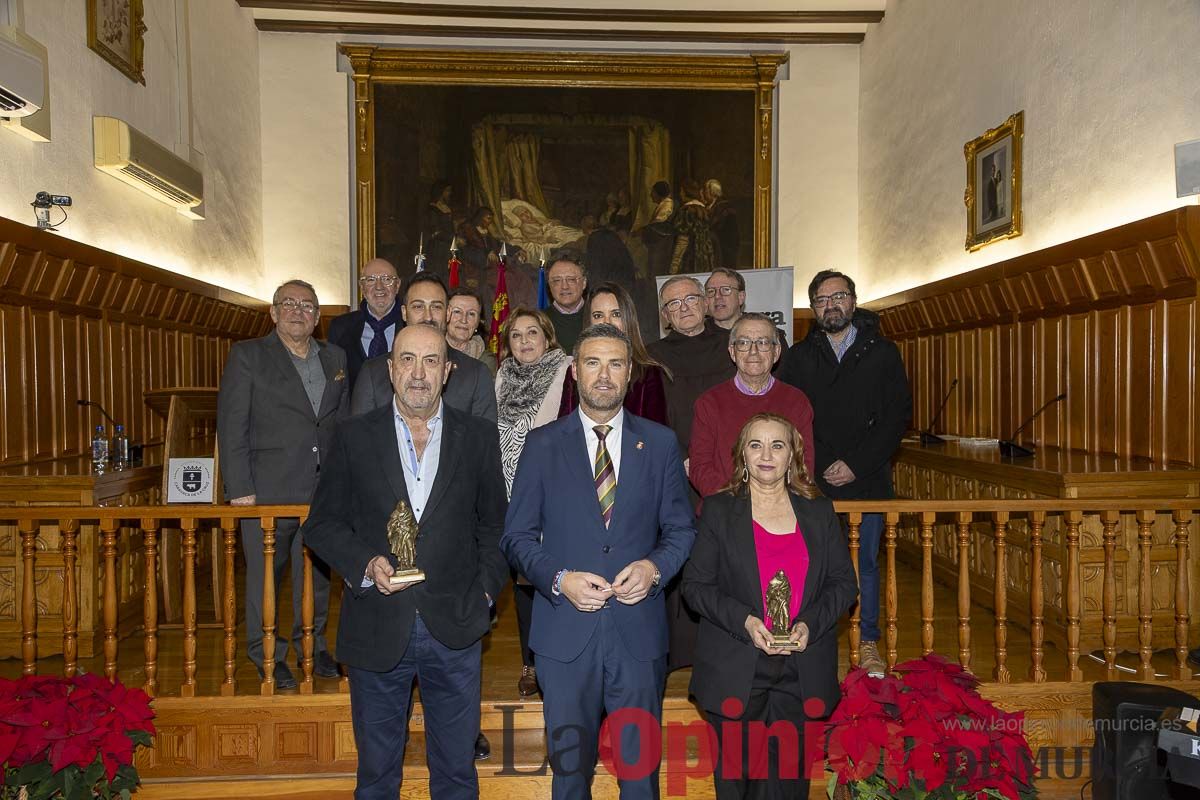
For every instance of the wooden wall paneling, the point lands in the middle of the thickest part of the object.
(91, 375)
(1110, 318)
(1079, 373)
(1181, 365)
(42, 383)
(1137, 398)
(66, 366)
(12, 443)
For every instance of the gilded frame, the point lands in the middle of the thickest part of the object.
(1005, 221)
(130, 63)
(373, 65)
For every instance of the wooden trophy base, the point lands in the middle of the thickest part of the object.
(406, 577)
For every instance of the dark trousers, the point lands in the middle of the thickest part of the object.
(288, 546)
(380, 703)
(774, 698)
(870, 533)
(523, 600)
(604, 678)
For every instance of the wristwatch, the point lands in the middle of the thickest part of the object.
(657, 577)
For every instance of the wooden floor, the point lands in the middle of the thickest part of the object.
(501, 669)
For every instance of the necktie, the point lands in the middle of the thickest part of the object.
(606, 475)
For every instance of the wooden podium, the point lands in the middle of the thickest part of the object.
(191, 415)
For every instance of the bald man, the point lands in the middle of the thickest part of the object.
(369, 330)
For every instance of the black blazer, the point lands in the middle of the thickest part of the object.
(469, 388)
(457, 547)
(721, 583)
(346, 332)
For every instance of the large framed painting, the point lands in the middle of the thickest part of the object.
(643, 164)
(115, 30)
(993, 195)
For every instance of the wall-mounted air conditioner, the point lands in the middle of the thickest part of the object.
(22, 79)
(134, 158)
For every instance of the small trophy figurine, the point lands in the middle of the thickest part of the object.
(402, 539)
(779, 605)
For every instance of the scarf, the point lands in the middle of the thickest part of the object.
(379, 345)
(474, 347)
(522, 390)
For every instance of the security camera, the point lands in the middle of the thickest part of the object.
(42, 203)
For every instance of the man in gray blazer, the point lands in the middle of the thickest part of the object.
(280, 399)
(470, 387)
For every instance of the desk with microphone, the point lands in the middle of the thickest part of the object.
(928, 437)
(1009, 447)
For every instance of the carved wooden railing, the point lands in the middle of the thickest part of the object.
(1001, 515)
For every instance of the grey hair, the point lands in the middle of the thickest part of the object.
(603, 330)
(751, 316)
(714, 187)
(295, 282)
(676, 279)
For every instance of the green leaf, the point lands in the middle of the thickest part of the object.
(140, 738)
(33, 773)
(831, 785)
(125, 795)
(94, 772)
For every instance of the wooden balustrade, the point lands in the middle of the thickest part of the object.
(1016, 562)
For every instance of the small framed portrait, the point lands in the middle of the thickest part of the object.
(115, 30)
(993, 195)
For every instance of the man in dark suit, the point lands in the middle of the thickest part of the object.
(470, 387)
(599, 520)
(280, 398)
(445, 465)
(368, 331)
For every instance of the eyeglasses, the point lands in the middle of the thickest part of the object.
(370, 280)
(565, 280)
(724, 291)
(675, 305)
(820, 301)
(760, 344)
(290, 304)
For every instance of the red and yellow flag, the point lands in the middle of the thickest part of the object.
(499, 307)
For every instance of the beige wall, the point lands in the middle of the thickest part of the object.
(1107, 89)
(219, 115)
(307, 213)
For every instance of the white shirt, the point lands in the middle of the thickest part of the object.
(612, 441)
(419, 473)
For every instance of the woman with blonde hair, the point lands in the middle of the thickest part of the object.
(529, 385)
(768, 544)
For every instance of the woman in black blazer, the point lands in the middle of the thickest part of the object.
(771, 517)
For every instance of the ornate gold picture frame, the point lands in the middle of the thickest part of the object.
(993, 196)
(376, 66)
(115, 30)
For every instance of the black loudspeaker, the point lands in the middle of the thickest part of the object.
(1126, 763)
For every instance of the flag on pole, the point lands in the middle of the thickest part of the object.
(454, 264)
(500, 304)
(543, 295)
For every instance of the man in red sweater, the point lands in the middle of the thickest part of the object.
(723, 410)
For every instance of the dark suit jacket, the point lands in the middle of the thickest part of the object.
(346, 332)
(270, 441)
(554, 523)
(721, 582)
(457, 546)
(469, 388)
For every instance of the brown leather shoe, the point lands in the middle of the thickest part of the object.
(528, 684)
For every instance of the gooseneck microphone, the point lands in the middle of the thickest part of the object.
(97, 405)
(1009, 447)
(928, 437)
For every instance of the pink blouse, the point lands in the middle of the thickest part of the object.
(787, 552)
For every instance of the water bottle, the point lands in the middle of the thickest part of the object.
(120, 449)
(99, 451)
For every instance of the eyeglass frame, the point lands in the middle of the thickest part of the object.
(822, 300)
(370, 280)
(673, 306)
(292, 304)
(724, 291)
(761, 344)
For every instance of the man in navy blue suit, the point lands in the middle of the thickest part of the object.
(599, 521)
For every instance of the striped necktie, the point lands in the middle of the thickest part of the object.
(606, 475)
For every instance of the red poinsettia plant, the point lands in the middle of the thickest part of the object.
(924, 733)
(71, 737)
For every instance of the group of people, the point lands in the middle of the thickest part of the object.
(645, 500)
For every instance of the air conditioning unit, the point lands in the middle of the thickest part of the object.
(134, 158)
(22, 78)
